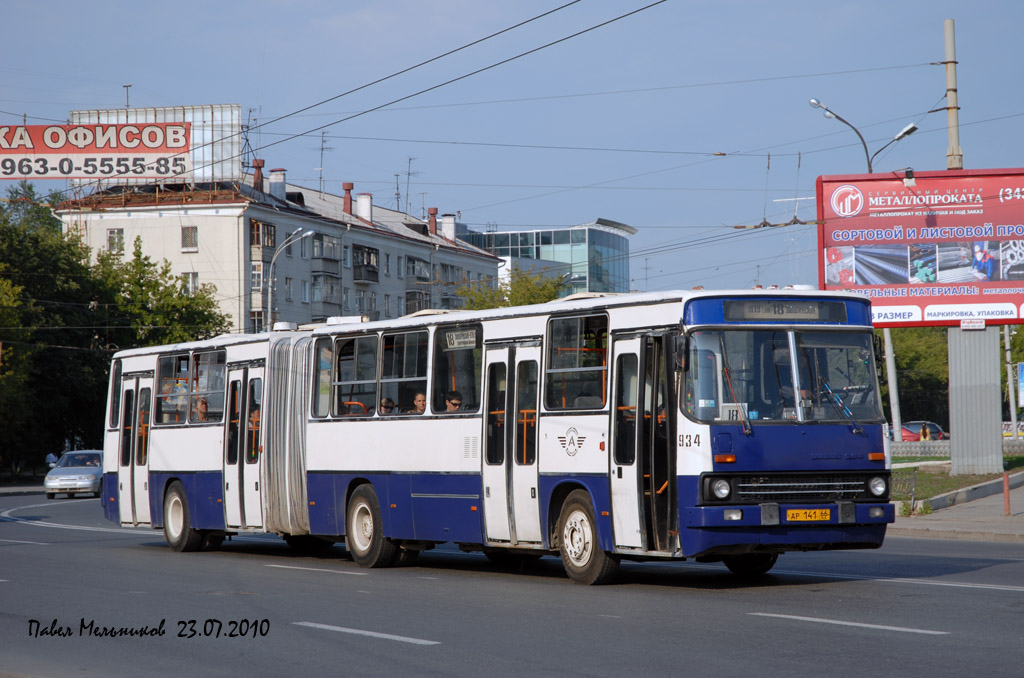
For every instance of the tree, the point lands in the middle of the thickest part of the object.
(61, 319)
(152, 305)
(519, 289)
(922, 367)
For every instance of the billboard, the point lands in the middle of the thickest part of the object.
(215, 136)
(929, 248)
(95, 151)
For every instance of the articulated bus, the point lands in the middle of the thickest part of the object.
(707, 425)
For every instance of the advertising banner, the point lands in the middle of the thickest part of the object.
(153, 150)
(929, 248)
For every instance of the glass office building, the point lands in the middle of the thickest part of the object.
(598, 252)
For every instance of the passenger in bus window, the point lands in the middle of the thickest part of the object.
(387, 406)
(452, 403)
(199, 413)
(419, 404)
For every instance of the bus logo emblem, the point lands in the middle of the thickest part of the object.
(572, 441)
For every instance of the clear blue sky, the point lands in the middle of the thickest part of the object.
(653, 96)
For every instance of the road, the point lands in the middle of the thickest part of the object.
(916, 607)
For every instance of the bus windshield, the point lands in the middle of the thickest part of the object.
(775, 375)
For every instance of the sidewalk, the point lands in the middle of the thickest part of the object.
(966, 515)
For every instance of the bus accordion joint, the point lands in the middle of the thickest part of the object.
(725, 458)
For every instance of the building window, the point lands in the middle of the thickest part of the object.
(347, 256)
(115, 240)
(256, 321)
(305, 291)
(303, 248)
(190, 281)
(256, 282)
(262, 233)
(387, 264)
(190, 238)
(360, 301)
(344, 300)
(401, 267)
(287, 289)
(288, 247)
(373, 301)
(387, 305)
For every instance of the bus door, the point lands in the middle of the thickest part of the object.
(656, 444)
(133, 465)
(495, 436)
(243, 449)
(511, 501)
(523, 489)
(625, 476)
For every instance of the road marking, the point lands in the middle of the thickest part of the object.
(427, 577)
(18, 541)
(884, 580)
(371, 634)
(880, 627)
(318, 569)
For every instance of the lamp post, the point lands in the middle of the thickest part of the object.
(294, 237)
(903, 133)
(890, 358)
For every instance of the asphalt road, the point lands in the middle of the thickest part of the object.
(916, 607)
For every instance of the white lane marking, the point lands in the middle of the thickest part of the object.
(18, 541)
(880, 627)
(885, 580)
(318, 569)
(371, 634)
(127, 531)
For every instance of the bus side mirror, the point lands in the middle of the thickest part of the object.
(680, 352)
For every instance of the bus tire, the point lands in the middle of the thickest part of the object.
(582, 557)
(364, 533)
(750, 564)
(177, 523)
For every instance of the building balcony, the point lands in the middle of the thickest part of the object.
(365, 274)
(260, 253)
(323, 265)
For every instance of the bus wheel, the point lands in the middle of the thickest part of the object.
(177, 529)
(750, 564)
(582, 557)
(364, 536)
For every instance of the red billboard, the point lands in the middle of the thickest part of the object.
(929, 248)
(151, 150)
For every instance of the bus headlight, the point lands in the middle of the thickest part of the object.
(877, 486)
(721, 488)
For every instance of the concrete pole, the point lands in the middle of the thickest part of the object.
(1009, 381)
(894, 396)
(954, 156)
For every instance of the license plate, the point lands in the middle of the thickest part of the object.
(808, 515)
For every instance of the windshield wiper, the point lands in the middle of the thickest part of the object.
(728, 380)
(838, 403)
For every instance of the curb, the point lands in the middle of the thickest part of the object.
(966, 494)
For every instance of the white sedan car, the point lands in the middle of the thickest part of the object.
(77, 471)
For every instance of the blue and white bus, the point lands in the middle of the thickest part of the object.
(718, 426)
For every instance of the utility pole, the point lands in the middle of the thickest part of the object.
(1010, 380)
(954, 156)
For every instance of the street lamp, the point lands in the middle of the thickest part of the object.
(903, 133)
(294, 237)
(890, 359)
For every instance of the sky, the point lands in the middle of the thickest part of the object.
(684, 119)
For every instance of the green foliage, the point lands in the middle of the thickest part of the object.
(153, 306)
(922, 366)
(519, 289)
(60, 320)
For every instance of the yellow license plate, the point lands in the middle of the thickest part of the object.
(808, 515)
